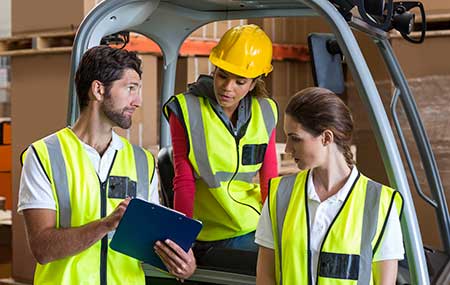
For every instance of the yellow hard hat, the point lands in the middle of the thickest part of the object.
(245, 51)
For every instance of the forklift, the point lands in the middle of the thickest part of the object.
(170, 22)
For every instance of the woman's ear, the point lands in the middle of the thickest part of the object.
(97, 90)
(327, 137)
(252, 86)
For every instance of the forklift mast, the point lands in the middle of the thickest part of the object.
(170, 22)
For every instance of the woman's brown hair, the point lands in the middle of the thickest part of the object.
(319, 109)
(260, 90)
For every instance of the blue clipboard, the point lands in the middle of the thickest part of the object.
(144, 223)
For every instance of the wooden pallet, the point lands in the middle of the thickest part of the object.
(37, 43)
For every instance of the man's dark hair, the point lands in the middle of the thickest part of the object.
(106, 65)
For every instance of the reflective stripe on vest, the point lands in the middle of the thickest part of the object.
(60, 178)
(81, 198)
(227, 200)
(199, 143)
(334, 266)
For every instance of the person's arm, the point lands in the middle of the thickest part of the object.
(385, 260)
(47, 243)
(269, 168)
(385, 272)
(179, 263)
(184, 181)
(265, 268)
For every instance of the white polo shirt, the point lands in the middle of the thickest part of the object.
(321, 216)
(35, 191)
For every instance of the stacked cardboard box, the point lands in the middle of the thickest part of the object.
(215, 30)
(436, 6)
(291, 30)
(46, 15)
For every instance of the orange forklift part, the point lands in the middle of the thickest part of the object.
(5, 133)
(203, 48)
(5, 158)
(6, 188)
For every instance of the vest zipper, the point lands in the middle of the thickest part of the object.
(308, 229)
(236, 139)
(331, 225)
(104, 242)
(234, 175)
(103, 212)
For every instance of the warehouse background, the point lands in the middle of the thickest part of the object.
(35, 46)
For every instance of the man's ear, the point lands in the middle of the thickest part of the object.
(97, 90)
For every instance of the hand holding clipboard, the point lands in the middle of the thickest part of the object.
(144, 223)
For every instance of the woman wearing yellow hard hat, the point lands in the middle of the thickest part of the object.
(223, 135)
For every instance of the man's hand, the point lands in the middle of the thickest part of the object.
(112, 220)
(179, 263)
(48, 243)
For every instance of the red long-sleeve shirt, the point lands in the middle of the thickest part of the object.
(184, 181)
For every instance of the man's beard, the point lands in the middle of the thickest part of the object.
(116, 117)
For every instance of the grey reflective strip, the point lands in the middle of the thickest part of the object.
(242, 176)
(268, 115)
(245, 176)
(224, 176)
(59, 174)
(140, 159)
(369, 227)
(197, 130)
(284, 192)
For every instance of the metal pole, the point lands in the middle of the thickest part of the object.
(168, 88)
(383, 134)
(423, 144)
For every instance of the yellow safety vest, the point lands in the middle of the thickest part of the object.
(81, 198)
(348, 246)
(226, 199)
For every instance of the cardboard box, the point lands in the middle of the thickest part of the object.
(215, 30)
(46, 15)
(291, 30)
(39, 97)
(6, 188)
(5, 158)
(436, 6)
(286, 79)
(188, 70)
(5, 109)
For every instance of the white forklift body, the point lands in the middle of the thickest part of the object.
(170, 22)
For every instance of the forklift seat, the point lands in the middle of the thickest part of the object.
(166, 174)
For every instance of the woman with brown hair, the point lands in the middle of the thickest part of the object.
(327, 224)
